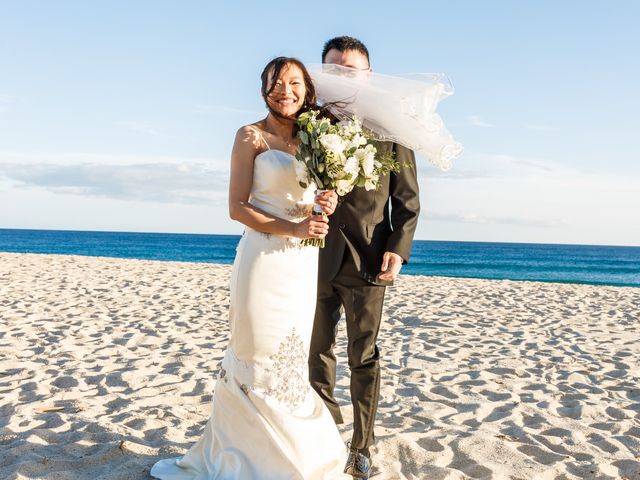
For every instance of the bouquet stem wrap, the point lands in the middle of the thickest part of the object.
(317, 209)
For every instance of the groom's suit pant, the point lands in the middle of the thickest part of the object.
(362, 302)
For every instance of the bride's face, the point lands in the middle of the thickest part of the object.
(287, 96)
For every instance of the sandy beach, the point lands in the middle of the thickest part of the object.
(107, 365)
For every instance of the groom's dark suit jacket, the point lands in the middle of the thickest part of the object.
(364, 223)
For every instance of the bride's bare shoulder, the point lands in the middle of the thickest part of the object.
(251, 134)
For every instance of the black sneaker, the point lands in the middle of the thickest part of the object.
(358, 465)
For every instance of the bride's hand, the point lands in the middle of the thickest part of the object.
(314, 226)
(328, 201)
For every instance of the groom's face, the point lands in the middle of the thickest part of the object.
(349, 58)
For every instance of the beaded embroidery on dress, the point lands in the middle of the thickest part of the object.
(266, 422)
(289, 368)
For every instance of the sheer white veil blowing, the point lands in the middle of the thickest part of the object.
(397, 108)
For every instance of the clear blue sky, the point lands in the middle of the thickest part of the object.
(120, 115)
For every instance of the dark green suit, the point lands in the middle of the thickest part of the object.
(362, 228)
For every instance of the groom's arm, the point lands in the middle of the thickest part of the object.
(405, 203)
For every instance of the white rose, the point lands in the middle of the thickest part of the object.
(343, 187)
(366, 158)
(352, 167)
(359, 140)
(371, 183)
(332, 143)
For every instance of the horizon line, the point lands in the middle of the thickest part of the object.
(239, 235)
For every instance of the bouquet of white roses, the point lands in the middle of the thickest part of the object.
(338, 157)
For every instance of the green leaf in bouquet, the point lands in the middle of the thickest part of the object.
(318, 181)
(387, 163)
(308, 153)
(303, 136)
(304, 117)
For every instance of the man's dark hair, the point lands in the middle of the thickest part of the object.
(343, 44)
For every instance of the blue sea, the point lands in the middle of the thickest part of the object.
(597, 265)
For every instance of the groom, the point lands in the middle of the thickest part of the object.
(369, 240)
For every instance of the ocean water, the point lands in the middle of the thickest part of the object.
(598, 265)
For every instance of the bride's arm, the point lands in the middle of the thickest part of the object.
(245, 147)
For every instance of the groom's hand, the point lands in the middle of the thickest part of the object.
(391, 265)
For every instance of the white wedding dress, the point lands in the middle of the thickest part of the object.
(266, 421)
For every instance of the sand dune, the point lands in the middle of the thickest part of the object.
(107, 365)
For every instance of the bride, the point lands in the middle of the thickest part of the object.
(266, 421)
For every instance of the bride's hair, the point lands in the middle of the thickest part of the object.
(271, 73)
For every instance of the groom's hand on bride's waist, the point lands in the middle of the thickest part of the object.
(391, 265)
